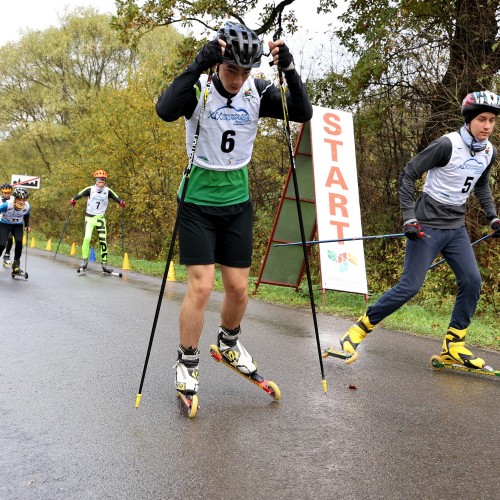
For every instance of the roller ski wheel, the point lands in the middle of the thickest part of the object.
(266, 385)
(190, 402)
(437, 364)
(346, 356)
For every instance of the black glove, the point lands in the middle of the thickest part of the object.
(285, 59)
(209, 55)
(412, 230)
(495, 225)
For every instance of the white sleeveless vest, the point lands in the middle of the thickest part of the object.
(227, 133)
(97, 203)
(12, 215)
(453, 183)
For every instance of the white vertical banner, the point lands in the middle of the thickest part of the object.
(338, 212)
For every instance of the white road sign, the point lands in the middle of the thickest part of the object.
(27, 181)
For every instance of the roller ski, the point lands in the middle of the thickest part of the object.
(82, 268)
(108, 270)
(186, 379)
(230, 352)
(455, 356)
(350, 341)
(17, 272)
(346, 356)
(437, 363)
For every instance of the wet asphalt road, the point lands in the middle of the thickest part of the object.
(72, 350)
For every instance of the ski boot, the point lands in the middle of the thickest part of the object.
(6, 260)
(17, 271)
(106, 269)
(454, 351)
(186, 378)
(350, 340)
(233, 351)
(109, 270)
(83, 265)
(15, 267)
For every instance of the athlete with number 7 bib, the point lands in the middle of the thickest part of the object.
(95, 217)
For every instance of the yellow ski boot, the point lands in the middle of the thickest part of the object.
(350, 340)
(455, 352)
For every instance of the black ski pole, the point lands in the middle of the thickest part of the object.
(26, 257)
(315, 242)
(489, 235)
(186, 174)
(288, 135)
(123, 231)
(62, 234)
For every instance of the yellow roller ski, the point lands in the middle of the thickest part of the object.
(346, 356)
(437, 364)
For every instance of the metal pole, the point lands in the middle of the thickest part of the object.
(299, 213)
(489, 235)
(314, 242)
(62, 234)
(186, 174)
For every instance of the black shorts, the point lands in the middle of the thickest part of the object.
(222, 235)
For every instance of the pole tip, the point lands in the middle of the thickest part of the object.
(323, 383)
(138, 400)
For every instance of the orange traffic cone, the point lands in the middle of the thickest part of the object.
(49, 245)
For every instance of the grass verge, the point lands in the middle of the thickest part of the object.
(426, 319)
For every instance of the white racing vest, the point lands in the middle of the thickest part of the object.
(227, 133)
(97, 203)
(12, 215)
(453, 183)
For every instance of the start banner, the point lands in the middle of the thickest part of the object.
(338, 213)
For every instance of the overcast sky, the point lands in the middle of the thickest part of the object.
(21, 15)
(17, 15)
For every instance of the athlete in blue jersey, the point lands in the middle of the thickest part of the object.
(456, 165)
(6, 192)
(13, 214)
(215, 225)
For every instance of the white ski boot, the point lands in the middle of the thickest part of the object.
(6, 260)
(187, 374)
(233, 351)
